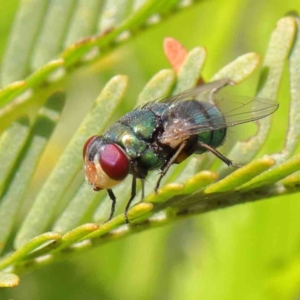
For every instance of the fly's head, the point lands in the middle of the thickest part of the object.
(106, 164)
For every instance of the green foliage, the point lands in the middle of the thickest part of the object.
(77, 225)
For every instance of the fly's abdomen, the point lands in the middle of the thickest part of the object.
(210, 114)
(213, 138)
(186, 117)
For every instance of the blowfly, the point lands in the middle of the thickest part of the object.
(164, 132)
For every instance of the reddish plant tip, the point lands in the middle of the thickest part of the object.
(114, 162)
(175, 53)
(86, 145)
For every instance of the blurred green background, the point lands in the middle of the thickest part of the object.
(245, 252)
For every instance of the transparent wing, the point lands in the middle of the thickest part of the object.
(198, 93)
(234, 110)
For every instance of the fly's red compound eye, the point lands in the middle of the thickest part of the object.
(114, 162)
(86, 145)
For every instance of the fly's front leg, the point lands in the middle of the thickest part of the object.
(169, 163)
(219, 84)
(133, 193)
(214, 151)
(113, 205)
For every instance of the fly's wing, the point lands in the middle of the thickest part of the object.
(233, 110)
(198, 93)
(236, 110)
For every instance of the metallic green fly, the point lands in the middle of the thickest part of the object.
(164, 132)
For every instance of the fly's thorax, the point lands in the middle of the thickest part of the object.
(126, 137)
(136, 132)
(157, 108)
(151, 159)
(143, 123)
(106, 164)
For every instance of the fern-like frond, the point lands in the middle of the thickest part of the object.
(188, 189)
(62, 35)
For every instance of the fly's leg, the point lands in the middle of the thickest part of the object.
(168, 165)
(214, 151)
(113, 205)
(221, 83)
(133, 193)
(143, 188)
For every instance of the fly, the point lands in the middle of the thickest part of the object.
(164, 132)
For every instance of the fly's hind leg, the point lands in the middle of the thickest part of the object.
(219, 84)
(169, 163)
(214, 151)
